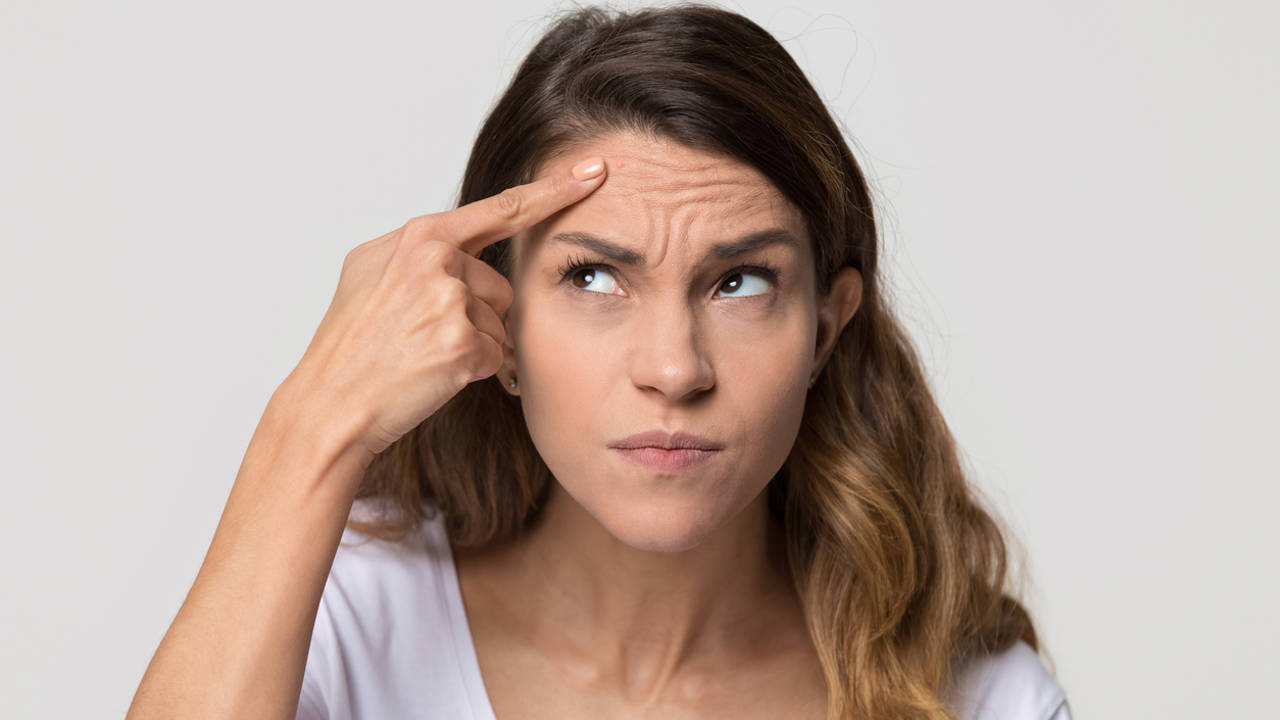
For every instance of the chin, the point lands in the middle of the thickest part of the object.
(659, 526)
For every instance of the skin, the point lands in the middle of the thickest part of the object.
(642, 593)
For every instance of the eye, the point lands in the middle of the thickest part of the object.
(744, 277)
(590, 275)
(741, 282)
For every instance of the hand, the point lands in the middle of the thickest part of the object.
(417, 316)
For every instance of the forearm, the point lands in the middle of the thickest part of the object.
(239, 643)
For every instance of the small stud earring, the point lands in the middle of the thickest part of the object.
(511, 383)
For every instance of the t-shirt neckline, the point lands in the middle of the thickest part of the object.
(468, 661)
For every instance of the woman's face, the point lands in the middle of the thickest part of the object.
(682, 338)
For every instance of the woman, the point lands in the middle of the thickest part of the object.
(631, 431)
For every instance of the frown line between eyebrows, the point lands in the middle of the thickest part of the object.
(719, 251)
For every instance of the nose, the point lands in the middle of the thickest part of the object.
(669, 357)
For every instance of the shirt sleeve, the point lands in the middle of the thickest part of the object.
(1010, 685)
(1062, 712)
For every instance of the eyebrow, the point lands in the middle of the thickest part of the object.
(719, 251)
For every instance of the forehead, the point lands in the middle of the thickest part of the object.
(659, 193)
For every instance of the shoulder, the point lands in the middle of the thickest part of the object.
(1012, 684)
(387, 629)
(369, 572)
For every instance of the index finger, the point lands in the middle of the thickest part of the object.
(481, 223)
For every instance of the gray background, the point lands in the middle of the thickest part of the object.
(1078, 205)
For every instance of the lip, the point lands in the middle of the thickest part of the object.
(665, 460)
(667, 451)
(664, 440)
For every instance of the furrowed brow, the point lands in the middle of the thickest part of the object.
(719, 251)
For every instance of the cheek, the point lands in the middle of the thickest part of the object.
(566, 368)
(561, 350)
(769, 377)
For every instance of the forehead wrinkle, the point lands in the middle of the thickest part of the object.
(682, 203)
(708, 180)
(664, 193)
(659, 225)
(667, 171)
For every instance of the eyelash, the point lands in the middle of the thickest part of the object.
(574, 264)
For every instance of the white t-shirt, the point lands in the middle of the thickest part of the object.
(391, 641)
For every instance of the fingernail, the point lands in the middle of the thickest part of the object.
(588, 169)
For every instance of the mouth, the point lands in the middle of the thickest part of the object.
(666, 460)
(679, 440)
(667, 451)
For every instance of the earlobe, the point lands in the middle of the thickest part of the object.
(509, 365)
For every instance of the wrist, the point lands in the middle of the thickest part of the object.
(317, 424)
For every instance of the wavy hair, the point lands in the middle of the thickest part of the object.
(901, 572)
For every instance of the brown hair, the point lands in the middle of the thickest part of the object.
(901, 572)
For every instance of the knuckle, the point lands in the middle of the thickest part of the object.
(452, 297)
(431, 257)
(420, 223)
(420, 226)
(455, 292)
(456, 336)
(489, 359)
(478, 355)
(435, 252)
(559, 182)
(506, 298)
(509, 202)
(458, 345)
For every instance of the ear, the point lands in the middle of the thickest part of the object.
(507, 372)
(834, 312)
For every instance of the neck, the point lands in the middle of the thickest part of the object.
(635, 620)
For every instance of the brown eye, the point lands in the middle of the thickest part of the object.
(584, 276)
(735, 282)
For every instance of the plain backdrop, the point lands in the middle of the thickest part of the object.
(1078, 211)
